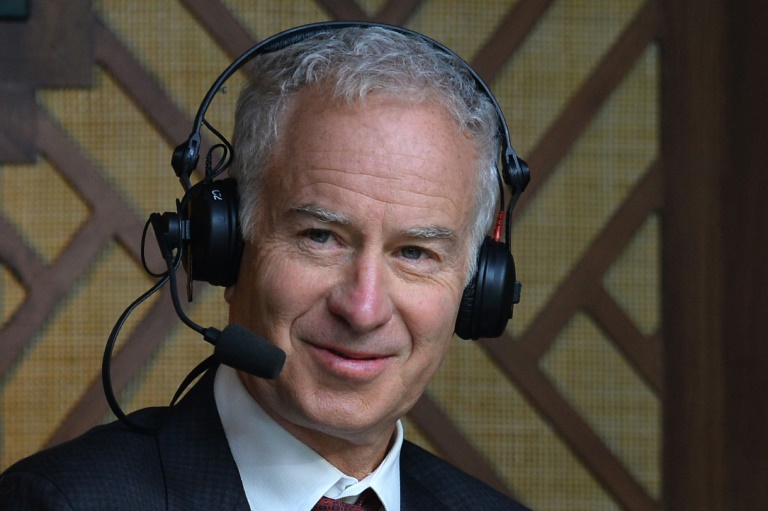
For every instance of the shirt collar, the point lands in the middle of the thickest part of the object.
(280, 472)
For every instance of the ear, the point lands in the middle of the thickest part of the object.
(229, 292)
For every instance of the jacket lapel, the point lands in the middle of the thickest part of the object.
(414, 494)
(200, 472)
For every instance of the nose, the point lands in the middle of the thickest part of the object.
(362, 297)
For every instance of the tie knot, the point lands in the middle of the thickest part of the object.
(368, 501)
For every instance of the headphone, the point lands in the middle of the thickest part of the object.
(205, 227)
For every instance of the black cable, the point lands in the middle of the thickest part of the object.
(106, 363)
(175, 299)
(194, 373)
(169, 275)
(143, 258)
(226, 158)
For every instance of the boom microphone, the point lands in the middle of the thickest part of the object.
(235, 346)
(243, 350)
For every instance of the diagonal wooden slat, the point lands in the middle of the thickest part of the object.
(173, 125)
(155, 326)
(522, 368)
(141, 87)
(586, 276)
(508, 36)
(519, 358)
(16, 255)
(585, 104)
(221, 25)
(443, 434)
(145, 340)
(47, 285)
(230, 34)
(17, 131)
(28, 268)
(397, 12)
(105, 202)
(344, 10)
(170, 121)
(115, 219)
(643, 353)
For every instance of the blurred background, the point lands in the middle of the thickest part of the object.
(632, 375)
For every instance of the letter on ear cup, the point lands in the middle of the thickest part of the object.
(215, 243)
(486, 305)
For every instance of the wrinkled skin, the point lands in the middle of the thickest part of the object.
(357, 267)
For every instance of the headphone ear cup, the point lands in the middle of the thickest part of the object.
(463, 327)
(487, 301)
(215, 244)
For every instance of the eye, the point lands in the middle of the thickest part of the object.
(412, 252)
(318, 235)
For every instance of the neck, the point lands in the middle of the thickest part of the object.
(354, 453)
(352, 459)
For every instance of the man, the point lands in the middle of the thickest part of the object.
(365, 160)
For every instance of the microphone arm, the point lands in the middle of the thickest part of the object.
(235, 346)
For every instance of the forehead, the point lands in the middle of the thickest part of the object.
(384, 141)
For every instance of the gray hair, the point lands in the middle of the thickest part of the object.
(351, 63)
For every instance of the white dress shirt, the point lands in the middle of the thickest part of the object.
(280, 472)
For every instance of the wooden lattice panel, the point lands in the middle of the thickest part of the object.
(563, 412)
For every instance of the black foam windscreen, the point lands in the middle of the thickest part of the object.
(242, 349)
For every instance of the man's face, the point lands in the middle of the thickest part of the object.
(358, 263)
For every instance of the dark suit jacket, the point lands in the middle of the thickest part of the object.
(186, 464)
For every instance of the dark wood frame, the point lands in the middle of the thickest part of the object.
(53, 47)
(715, 239)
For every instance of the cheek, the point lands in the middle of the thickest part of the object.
(431, 313)
(425, 360)
(430, 359)
(431, 324)
(272, 292)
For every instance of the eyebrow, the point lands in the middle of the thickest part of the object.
(431, 232)
(322, 214)
(420, 232)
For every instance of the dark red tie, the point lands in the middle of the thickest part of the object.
(368, 501)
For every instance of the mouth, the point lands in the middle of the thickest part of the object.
(351, 356)
(349, 364)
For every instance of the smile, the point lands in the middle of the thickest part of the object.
(351, 356)
(348, 364)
